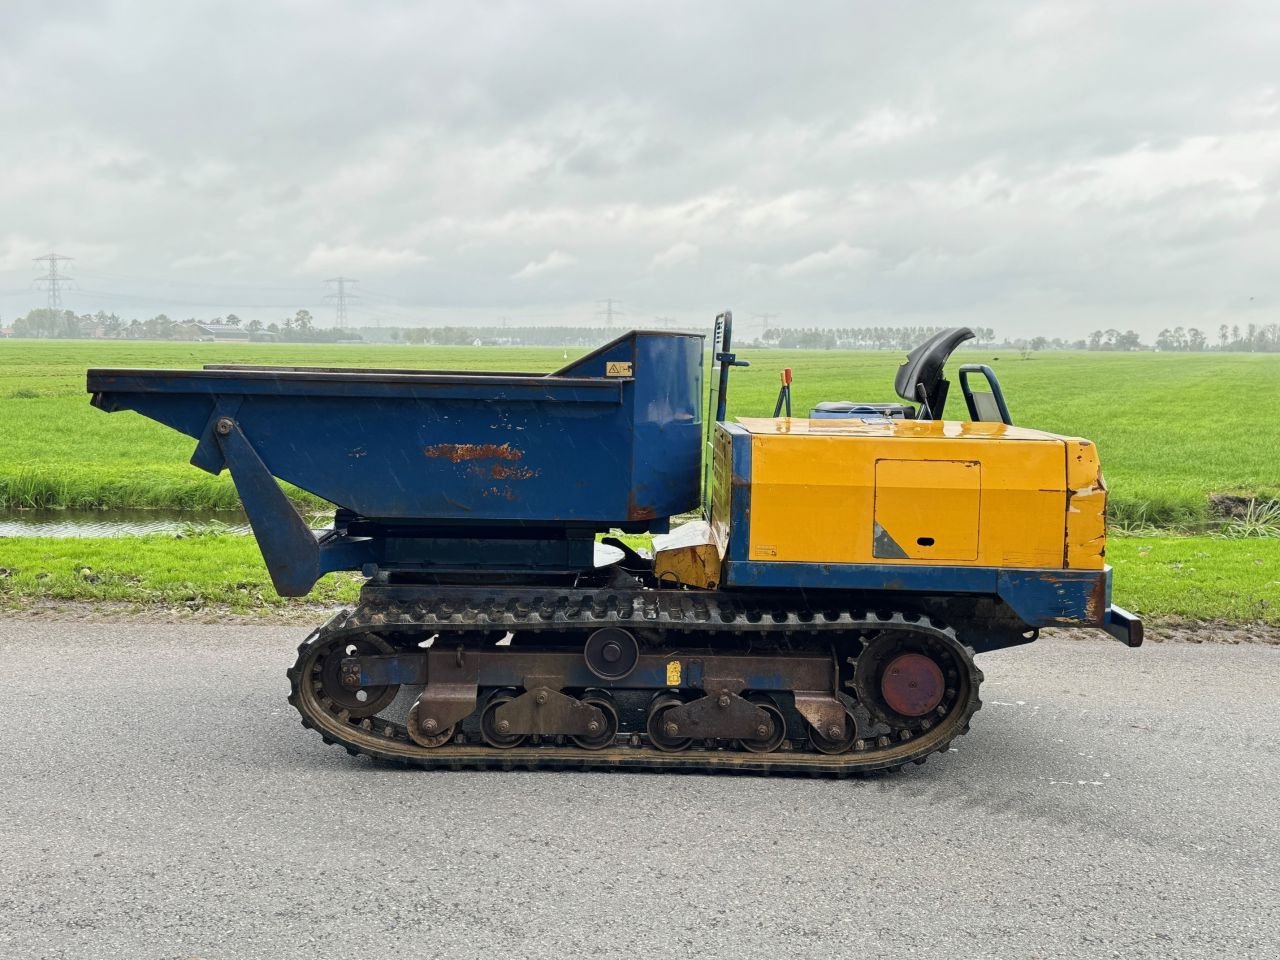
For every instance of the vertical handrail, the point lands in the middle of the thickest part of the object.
(722, 359)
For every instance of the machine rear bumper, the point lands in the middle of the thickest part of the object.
(1124, 626)
(1038, 597)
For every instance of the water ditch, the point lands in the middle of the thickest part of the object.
(72, 524)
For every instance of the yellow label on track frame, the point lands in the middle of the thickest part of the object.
(673, 673)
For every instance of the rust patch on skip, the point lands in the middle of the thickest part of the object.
(500, 472)
(460, 452)
(639, 511)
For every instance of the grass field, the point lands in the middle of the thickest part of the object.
(1172, 428)
(1173, 579)
(153, 571)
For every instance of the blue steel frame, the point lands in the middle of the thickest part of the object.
(1038, 597)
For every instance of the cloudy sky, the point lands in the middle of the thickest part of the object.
(1039, 168)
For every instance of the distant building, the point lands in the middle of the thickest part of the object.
(210, 331)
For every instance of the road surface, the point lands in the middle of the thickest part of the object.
(160, 799)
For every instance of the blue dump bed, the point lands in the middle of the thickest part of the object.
(412, 458)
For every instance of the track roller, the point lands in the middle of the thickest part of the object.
(423, 737)
(772, 738)
(491, 728)
(604, 737)
(835, 745)
(663, 735)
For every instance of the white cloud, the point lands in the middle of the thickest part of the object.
(555, 260)
(886, 125)
(1046, 21)
(785, 212)
(680, 252)
(208, 259)
(16, 253)
(359, 259)
(841, 258)
(1029, 164)
(1261, 104)
(1237, 162)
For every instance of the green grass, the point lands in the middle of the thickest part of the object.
(153, 571)
(1172, 428)
(1198, 578)
(1171, 579)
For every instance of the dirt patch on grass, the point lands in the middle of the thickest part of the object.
(1234, 506)
(1228, 633)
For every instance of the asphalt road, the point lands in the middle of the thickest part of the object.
(159, 799)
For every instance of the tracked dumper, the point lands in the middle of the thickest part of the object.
(822, 617)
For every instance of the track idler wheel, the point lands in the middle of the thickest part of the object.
(342, 689)
(491, 728)
(604, 737)
(663, 734)
(772, 733)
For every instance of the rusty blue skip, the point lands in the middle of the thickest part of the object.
(442, 471)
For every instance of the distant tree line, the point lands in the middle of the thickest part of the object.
(301, 328)
(505, 336)
(66, 324)
(1253, 338)
(859, 338)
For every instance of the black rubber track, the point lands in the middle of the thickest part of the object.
(388, 741)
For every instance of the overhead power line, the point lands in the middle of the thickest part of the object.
(152, 299)
(214, 285)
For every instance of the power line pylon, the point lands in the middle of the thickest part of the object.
(609, 310)
(765, 319)
(341, 296)
(53, 280)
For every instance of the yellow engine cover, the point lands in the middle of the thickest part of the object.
(916, 492)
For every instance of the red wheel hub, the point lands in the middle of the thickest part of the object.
(912, 684)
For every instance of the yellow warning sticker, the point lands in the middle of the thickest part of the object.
(673, 673)
(617, 368)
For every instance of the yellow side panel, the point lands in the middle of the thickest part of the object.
(927, 509)
(813, 497)
(1086, 507)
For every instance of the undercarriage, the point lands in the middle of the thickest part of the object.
(636, 679)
